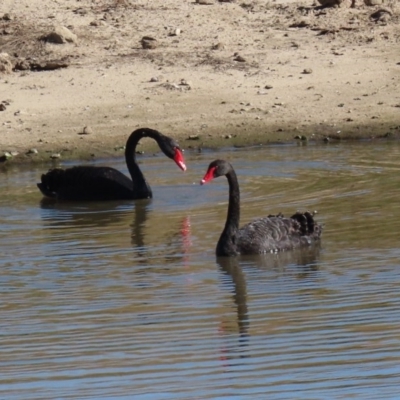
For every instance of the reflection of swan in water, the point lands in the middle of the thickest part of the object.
(141, 214)
(115, 216)
(231, 268)
(178, 243)
(304, 261)
(98, 214)
(84, 214)
(171, 246)
(78, 232)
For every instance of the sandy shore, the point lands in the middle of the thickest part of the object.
(223, 73)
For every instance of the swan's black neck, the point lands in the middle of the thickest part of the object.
(140, 186)
(227, 242)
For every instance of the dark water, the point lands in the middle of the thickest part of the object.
(127, 300)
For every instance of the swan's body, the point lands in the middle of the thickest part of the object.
(269, 234)
(105, 183)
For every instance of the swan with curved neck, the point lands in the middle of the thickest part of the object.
(105, 183)
(264, 235)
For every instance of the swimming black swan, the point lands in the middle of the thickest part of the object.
(105, 183)
(264, 235)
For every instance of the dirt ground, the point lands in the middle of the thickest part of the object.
(225, 73)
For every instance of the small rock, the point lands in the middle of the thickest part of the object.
(5, 64)
(149, 42)
(301, 137)
(228, 136)
(87, 130)
(6, 17)
(330, 3)
(55, 156)
(22, 65)
(193, 137)
(49, 65)
(80, 11)
(8, 31)
(268, 87)
(32, 151)
(61, 35)
(381, 15)
(205, 2)
(175, 32)
(239, 59)
(307, 71)
(373, 2)
(300, 24)
(171, 86)
(218, 46)
(154, 79)
(2, 107)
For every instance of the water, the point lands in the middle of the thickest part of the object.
(126, 300)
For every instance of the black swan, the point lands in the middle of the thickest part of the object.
(105, 183)
(264, 235)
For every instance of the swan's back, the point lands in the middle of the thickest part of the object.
(277, 233)
(86, 183)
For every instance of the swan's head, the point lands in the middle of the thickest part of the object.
(172, 150)
(167, 145)
(215, 169)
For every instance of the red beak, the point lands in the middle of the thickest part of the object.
(208, 176)
(178, 158)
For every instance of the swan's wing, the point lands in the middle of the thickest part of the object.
(86, 183)
(276, 233)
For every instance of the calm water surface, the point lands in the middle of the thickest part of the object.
(127, 300)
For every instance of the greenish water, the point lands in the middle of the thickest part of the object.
(126, 300)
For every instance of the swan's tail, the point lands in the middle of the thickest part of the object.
(307, 224)
(50, 182)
